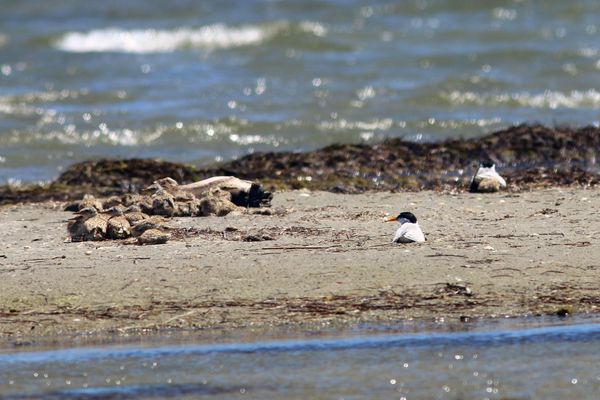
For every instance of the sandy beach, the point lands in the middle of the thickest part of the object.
(319, 258)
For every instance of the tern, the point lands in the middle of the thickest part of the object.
(486, 180)
(409, 230)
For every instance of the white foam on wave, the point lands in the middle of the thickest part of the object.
(158, 41)
(343, 125)
(315, 28)
(548, 99)
(70, 135)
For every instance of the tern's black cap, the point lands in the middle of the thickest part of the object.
(407, 215)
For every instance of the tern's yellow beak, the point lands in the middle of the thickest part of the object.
(390, 219)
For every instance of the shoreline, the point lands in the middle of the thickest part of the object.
(528, 156)
(328, 261)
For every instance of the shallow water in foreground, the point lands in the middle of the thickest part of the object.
(518, 359)
(199, 81)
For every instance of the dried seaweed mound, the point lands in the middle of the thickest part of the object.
(124, 175)
(528, 156)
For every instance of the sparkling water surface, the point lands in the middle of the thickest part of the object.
(512, 359)
(204, 81)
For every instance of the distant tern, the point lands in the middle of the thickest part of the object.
(409, 230)
(486, 180)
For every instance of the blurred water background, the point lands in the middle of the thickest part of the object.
(204, 81)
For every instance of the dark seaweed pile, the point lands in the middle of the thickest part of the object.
(529, 156)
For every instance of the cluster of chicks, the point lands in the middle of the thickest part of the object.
(117, 222)
(142, 216)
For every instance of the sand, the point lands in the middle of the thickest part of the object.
(330, 261)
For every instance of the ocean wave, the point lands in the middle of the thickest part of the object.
(549, 99)
(25, 106)
(315, 28)
(343, 125)
(71, 136)
(62, 133)
(217, 36)
(3, 39)
(44, 97)
(18, 109)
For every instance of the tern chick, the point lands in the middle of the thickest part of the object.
(87, 224)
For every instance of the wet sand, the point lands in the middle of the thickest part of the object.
(329, 261)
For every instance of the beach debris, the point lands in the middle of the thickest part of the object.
(241, 192)
(486, 180)
(256, 238)
(409, 230)
(564, 311)
(456, 289)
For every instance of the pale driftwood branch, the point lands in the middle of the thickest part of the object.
(229, 183)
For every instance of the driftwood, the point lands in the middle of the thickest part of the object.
(243, 193)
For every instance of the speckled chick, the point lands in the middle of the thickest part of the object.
(153, 222)
(216, 202)
(153, 236)
(134, 214)
(163, 203)
(87, 225)
(118, 227)
(90, 201)
(87, 201)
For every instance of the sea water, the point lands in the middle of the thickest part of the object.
(527, 358)
(205, 81)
